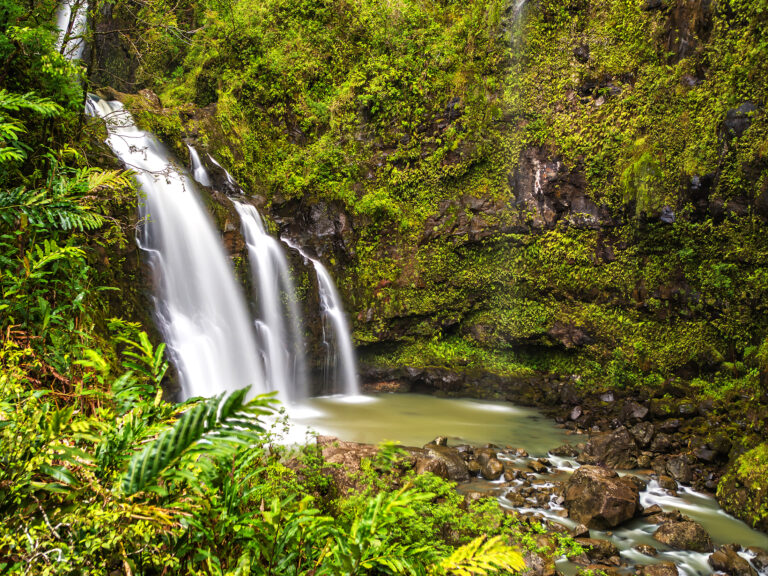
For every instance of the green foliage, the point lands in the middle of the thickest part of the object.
(226, 417)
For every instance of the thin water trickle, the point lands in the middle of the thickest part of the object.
(199, 173)
(200, 308)
(280, 320)
(341, 360)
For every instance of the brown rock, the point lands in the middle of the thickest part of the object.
(599, 498)
(492, 469)
(455, 467)
(537, 467)
(685, 535)
(668, 483)
(646, 549)
(661, 569)
(615, 449)
(727, 560)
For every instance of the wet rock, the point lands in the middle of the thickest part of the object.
(634, 412)
(455, 467)
(668, 483)
(705, 454)
(492, 469)
(537, 466)
(539, 565)
(616, 449)
(737, 120)
(599, 498)
(644, 460)
(483, 455)
(679, 467)
(727, 560)
(607, 397)
(643, 433)
(440, 441)
(646, 549)
(547, 190)
(600, 551)
(580, 531)
(565, 451)
(685, 535)
(569, 335)
(593, 569)
(652, 510)
(661, 569)
(661, 443)
(576, 413)
(473, 467)
(760, 559)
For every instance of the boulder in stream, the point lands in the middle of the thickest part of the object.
(599, 498)
(660, 569)
(726, 559)
(684, 535)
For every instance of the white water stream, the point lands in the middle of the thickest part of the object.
(341, 360)
(200, 308)
(72, 28)
(279, 326)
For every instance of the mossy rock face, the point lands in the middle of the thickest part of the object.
(743, 491)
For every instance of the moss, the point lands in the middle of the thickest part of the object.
(743, 491)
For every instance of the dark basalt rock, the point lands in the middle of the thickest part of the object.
(616, 449)
(547, 191)
(738, 120)
(569, 335)
(599, 498)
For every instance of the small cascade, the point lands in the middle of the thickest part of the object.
(199, 173)
(200, 308)
(340, 360)
(227, 174)
(72, 28)
(279, 325)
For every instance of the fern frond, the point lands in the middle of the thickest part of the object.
(215, 419)
(107, 180)
(481, 557)
(29, 101)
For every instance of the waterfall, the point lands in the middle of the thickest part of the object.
(200, 308)
(199, 173)
(75, 43)
(341, 362)
(280, 324)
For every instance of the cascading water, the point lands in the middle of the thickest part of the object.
(199, 306)
(342, 355)
(199, 173)
(341, 363)
(280, 323)
(72, 28)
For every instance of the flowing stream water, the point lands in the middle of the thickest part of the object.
(200, 308)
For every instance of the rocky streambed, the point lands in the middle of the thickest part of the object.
(646, 521)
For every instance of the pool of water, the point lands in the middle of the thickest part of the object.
(415, 419)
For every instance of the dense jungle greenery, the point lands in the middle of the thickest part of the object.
(398, 113)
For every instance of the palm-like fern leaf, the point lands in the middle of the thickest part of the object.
(223, 416)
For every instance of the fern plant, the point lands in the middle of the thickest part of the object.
(11, 148)
(223, 418)
(480, 557)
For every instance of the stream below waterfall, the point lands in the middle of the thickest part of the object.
(414, 420)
